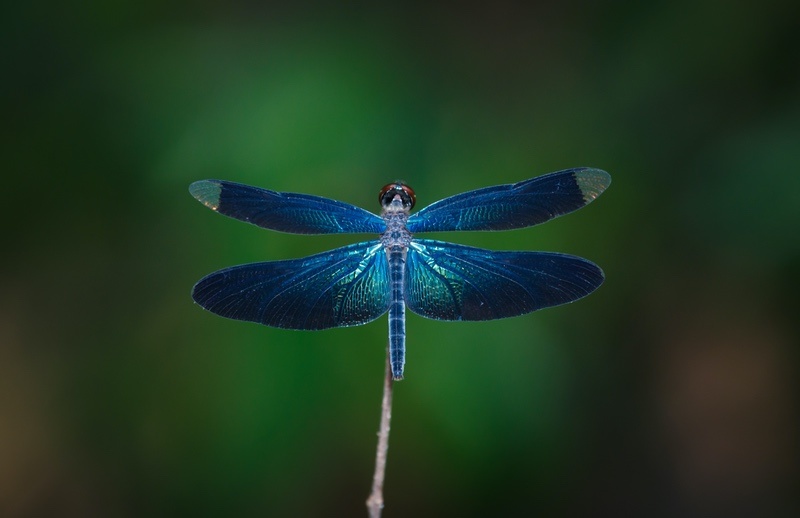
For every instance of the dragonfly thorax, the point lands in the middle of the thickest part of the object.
(395, 214)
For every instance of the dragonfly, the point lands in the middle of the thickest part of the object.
(358, 283)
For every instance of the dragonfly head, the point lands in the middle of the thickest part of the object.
(397, 189)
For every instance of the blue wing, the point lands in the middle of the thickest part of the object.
(347, 286)
(445, 281)
(505, 207)
(285, 211)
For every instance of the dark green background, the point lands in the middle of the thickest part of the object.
(671, 391)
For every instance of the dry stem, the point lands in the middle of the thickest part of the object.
(375, 500)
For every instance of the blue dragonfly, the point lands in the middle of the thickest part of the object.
(356, 284)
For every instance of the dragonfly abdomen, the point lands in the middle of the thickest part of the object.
(397, 312)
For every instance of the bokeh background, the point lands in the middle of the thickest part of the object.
(671, 391)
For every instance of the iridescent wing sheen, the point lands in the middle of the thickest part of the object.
(347, 286)
(445, 281)
(506, 207)
(285, 211)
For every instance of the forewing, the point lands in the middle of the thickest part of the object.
(343, 287)
(285, 211)
(506, 207)
(445, 281)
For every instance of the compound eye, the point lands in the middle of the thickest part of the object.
(412, 196)
(391, 190)
(386, 192)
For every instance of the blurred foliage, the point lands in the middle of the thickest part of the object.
(671, 391)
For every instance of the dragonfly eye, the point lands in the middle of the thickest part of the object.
(391, 190)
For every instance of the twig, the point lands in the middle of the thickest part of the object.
(375, 500)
